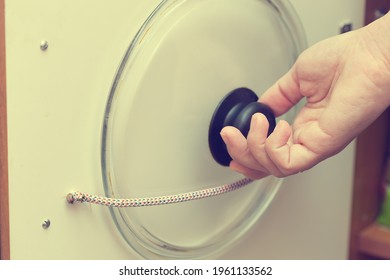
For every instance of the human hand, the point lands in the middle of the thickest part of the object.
(346, 83)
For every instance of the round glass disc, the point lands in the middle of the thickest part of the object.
(184, 59)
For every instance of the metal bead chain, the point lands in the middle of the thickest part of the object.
(154, 201)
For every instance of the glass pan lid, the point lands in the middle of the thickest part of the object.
(185, 58)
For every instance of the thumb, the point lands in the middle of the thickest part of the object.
(284, 94)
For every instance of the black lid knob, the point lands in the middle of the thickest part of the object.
(235, 109)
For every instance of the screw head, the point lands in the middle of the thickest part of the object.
(44, 45)
(346, 27)
(46, 224)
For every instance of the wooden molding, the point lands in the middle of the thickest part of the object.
(369, 164)
(369, 167)
(375, 241)
(4, 205)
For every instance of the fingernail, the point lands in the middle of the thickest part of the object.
(225, 138)
(255, 120)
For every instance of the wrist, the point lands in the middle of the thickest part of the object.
(376, 41)
(377, 37)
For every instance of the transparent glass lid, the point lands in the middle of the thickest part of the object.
(185, 58)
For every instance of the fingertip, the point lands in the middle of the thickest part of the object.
(229, 130)
(228, 133)
(259, 119)
(247, 172)
(281, 134)
(258, 130)
(225, 136)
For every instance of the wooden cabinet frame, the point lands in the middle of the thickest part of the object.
(369, 170)
(4, 209)
(371, 153)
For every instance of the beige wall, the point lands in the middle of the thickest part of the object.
(54, 98)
